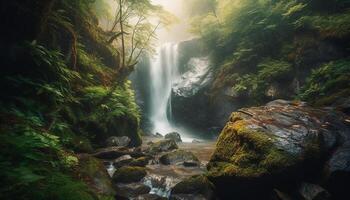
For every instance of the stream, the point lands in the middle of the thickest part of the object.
(161, 178)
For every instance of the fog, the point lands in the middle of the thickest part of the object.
(178, 31)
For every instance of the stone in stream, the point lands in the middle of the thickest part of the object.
(173, 136)
(267, 147)
(127, 160)
(110, 153)
(123, 141)
(131, 190)
(161, 146)
(179, 156)
(313, 192)
(129, 174)
(195, 187)
(122, 161)
(140, 162)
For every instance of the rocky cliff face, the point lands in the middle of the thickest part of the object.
(280, 145)
(192, 105)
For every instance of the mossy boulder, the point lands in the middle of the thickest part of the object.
(161, 146)
(129, 174)
(195, 185)
(274, 145)
(178, 156)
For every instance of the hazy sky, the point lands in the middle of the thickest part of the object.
(176, 32)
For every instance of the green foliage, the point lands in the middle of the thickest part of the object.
(254, 44)
(121, 103)
(327, 80)
(46, 99)
(30, 163)
(328, 26)
(269, 72)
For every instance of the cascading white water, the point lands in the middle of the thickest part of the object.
(164, 73)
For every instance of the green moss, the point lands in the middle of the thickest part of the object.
(140, 162)
(162, 145)
(244, 151)
(128, 174)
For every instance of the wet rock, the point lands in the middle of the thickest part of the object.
(123, 141)
(191, 163)
(122, 161)
(94, 173)
(110, 153)
(196, 141)
(173, 136)
(162, 145)
(178, 156)
(262, 147)
(196, 187)
(129, 174)
(150, 197)
(131, 190)
(140, 162)
(313, 192)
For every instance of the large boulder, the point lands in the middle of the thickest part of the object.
(173, 136)
(277, 145)
(122, 141)
(129, 174)
(178, 156)
(161, 146)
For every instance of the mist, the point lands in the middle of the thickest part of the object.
(178, 31)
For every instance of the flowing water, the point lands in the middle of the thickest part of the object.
(164, 73)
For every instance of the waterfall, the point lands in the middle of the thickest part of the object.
(163, 74)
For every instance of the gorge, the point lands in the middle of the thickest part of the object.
(179, 100)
